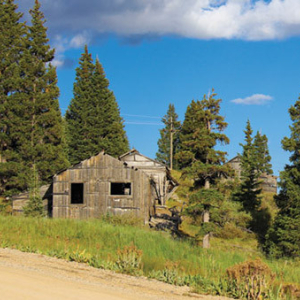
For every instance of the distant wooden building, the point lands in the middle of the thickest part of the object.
(103, 185)
(268, 182)
(20, 200)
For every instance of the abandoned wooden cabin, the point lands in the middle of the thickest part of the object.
(268, 182)
(102, 185)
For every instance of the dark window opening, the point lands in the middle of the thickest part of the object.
(76, 193)
(120, 188)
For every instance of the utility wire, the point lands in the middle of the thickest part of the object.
(143, 123)
(140, 116)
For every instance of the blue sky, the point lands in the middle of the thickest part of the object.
(157, 52)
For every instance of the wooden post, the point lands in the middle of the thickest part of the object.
(205, 242)
(171, 144)
(206, 216)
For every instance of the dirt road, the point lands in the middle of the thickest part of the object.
(38, 277)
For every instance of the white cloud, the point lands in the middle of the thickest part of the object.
(256, 99)
(62, 44)
(201, 19)
(79, 40)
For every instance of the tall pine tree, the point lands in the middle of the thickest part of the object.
(283, 238)
(93, 118)
(11, 50)
(172, 126)
(201, 131)
(262, 155)
(36, 129)
(249, 193)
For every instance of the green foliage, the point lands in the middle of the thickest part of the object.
(203, 200)
(249, 193)
(93, 121)
(201, 131)
(255, 160)
(170, 274)
(11, 48)
(171, 124)
(35, 207)
(283, 238)
(35, 134)
(261, 154)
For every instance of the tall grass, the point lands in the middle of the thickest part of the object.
(97, 242)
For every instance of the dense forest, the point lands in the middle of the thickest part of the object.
(36, 141)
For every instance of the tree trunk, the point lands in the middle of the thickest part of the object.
(205, 243)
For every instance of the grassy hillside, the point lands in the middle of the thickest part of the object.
(136, 249)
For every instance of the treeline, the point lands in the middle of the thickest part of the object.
(35, 140)
(218, 205)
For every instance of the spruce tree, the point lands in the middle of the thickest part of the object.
(262, 155)
(34, 207)
(249, 193)
(77, 115)
(172, 126)
(113, 139)
(37, 130)
(283, 239)
(11, 50)
(202, 129)
(93, 118)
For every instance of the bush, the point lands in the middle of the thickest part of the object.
(129, 260)
(252, 279)
(170, 274)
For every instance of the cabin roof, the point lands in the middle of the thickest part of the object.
(133, 151)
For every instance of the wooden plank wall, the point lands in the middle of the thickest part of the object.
(153, 169)
(96, 174)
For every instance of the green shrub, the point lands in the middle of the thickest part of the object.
(170, 274)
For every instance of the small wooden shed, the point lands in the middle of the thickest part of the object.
(101, 185)
(163, 183)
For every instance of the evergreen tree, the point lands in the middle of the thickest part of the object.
(283, 238)
(34, 207)
(36, 130)
(77, 117)
(11, 49)
(249, 193)
(201, 131)
(172, 126)
(93, 118)
(113, 139)
(262, 155)
(45, 123)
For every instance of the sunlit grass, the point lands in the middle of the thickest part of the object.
(99, 242)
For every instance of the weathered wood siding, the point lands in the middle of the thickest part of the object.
(153, 169)
(97, 173)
